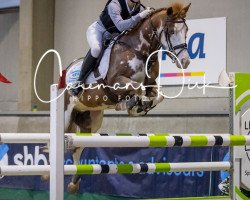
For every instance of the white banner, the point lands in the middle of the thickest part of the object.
(206, 40)
(245, 165)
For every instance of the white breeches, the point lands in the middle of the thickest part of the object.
(95, 34)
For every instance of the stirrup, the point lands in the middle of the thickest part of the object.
(76, 88)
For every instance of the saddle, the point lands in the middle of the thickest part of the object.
(94, 68)
(105, 45)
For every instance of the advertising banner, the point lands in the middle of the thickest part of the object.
(157, 185)
(206, 40)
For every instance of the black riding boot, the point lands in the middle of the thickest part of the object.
(87, 65)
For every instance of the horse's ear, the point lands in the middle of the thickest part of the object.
(170, 11)
(185, 10)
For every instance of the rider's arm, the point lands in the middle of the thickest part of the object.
(142, 8)
(114, 10)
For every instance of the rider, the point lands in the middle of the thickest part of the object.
(117, 16)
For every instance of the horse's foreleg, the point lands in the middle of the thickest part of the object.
(127, 85)
(147, 103)
(153, 96)
(132, 88)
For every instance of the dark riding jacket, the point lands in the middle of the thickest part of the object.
(116, 17)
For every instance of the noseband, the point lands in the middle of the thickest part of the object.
(166, 31)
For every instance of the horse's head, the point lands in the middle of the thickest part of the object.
(173, 33)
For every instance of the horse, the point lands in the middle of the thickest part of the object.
(163, 28)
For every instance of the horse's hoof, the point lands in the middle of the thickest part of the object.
(45, 177)
(121, 106)
(44, 149)
(73, 188)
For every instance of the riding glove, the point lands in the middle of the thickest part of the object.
(145, 13)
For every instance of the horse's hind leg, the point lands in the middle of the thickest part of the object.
(69, 126)
(78, 122)
(88, 122)
(73, 186)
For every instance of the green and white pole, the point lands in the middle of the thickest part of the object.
(33, 170)
(158, 141)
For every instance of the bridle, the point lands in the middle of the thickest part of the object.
(165, 30)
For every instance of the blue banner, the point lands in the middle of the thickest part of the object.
(157, 185)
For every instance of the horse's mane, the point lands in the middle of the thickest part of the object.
(176, 6)
(143, 20)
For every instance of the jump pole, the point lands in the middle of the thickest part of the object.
(42, 138)
(147, 140)
(33, 170)
(56, 154)
(157, 141)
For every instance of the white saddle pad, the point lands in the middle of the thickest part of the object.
(73, 71)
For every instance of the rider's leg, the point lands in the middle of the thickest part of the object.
(88, 64)
(94, 38)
